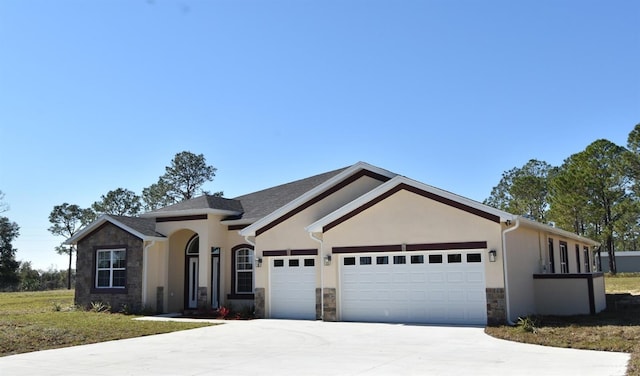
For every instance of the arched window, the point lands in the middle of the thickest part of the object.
(242, 265)
(193, 247)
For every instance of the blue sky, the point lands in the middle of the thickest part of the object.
(96, 95)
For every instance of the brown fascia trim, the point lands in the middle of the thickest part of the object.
(274, 253)
(411, 247)
(304, 252)
(236, 227)
(292, 252)
(198, 217)
(423, 193)
(588, 276)
(322, 196)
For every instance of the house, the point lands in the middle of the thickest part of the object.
(626, 262)
(356, 244)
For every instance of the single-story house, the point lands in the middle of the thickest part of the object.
(626, 261)
(356, 244)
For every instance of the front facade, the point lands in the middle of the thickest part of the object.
(355, 244)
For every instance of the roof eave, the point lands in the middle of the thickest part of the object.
(558, 231)
(251, 230)
(106, 218)
(178, 213)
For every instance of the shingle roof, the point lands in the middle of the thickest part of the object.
(145, 226)
(259, 204)
(202, 202)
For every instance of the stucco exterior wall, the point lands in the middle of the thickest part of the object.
(156, 274)
(106, 237)
(600, 295)
(291, 233)
(525, 249)
(561, 297)
(408, 218)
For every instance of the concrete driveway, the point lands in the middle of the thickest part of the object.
(287, 347)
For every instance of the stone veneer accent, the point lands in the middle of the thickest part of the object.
(496, 306)
(259, 302)
(329, 307)
(160, 299)
(203, 297)
(109, 236)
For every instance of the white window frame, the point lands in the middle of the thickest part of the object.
(564, 258)
(111, 267)
(238, 256)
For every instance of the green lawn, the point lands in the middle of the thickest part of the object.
(31, 321)
(615, 329)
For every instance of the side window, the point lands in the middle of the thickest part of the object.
(242, 270)
(111, 268)
(578, 258)
(587, 260)
(564, 258)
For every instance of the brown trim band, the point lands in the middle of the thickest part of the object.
(236, 227)
(321, 197)
(411, 247)
(304, 252)
(446, 246)
(182, 218)
(412, 189)
(274, 253)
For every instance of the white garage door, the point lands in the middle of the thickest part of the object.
(414, 287)
(293, 287)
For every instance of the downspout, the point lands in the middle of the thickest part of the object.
(321, 275)
(246, 239)
(505, 269)
(145, 270)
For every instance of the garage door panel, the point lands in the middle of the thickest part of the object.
(414, 287)
(292, 289)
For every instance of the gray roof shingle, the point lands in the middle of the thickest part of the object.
(202, 202)
(145, 226)
(262, 203)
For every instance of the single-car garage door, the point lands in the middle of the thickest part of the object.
(414, 287)
(293, 287)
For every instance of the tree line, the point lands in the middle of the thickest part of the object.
(594, 193)
(182, 180)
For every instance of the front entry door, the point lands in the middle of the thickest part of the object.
(192, 281)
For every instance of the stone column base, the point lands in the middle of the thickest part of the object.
(258, 302)
(496, 306)
(329, 303)
(203, 298)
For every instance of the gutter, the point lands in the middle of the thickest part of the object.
(505, 269)
(321, 275)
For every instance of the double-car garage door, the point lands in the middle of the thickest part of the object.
(445, 287)
(415, 287)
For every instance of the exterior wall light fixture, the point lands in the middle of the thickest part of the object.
(327, 260)
(258, 262)
(492, 255)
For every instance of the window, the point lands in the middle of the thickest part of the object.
(309, 262)
(587, 262)
(243, 270)
(417, 259)
(474, 257)
(435, 259)
(349, 261)
(278, 263)
(399, 259)
(454, 258)
(365, 260)
(294, 262)
(578, 257)
(111, 268)
(564, 258)
(382, 260)
(552, 261)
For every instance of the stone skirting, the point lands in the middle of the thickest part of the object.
(259, 302)
(160, 299)
(329, 306)
(203, 298)
(496, 306)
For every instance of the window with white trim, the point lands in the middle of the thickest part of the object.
(244, 271)
(111, 268)
(564, 258)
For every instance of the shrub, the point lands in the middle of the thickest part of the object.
(527, 324)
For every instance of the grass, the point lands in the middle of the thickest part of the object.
(615, 329)
(32, 321)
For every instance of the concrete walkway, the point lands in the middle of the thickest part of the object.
(287, 347)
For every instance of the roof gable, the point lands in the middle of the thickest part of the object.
(143, 228)
(397, 184)
(310, 197)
